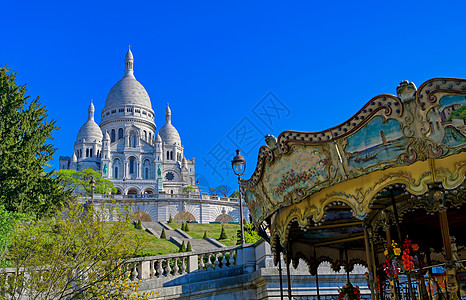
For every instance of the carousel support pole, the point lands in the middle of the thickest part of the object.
(398, 229)
(429, 273)
(288, 275)
(450, 268)
(393, 291)
(375, 263)
(369, 261)
(347, 265)
(317, 276)
(280, 274)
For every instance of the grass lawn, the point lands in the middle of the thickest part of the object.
(196, 230)
(151, 245)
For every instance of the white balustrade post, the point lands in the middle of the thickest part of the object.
(144, 270)
(193, 263)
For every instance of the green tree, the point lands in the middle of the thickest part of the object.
(188, 247)
(250, 234)
(182, 247)
(78, 181)
(223, 234)
(163, 235)
(186, 227)
(138, 224)
(235, 194)
(76, 255)
(225, 190)
(25, 187)
(182, 226)
(170, 220)
(8, 221)
(188, 190)
(205, 235)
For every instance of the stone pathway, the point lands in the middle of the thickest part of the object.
(178, 236)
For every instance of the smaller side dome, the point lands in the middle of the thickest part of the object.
(158, 139)
(168, 132)
(74, 158)
(90, 131)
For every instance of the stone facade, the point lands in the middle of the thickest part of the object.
(127, 149)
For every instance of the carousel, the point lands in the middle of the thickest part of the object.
(384, 189)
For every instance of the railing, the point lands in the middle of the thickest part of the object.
(172, 265)
(160, 197)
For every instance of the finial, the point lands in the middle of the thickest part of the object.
(168, 114)
(91, 110)
(129, 62)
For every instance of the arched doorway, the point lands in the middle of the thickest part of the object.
(119, 191)
(142, 216)
(224, 218)
(132, 191)
(149, 191)
(183, 217)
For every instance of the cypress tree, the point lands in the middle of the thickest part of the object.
(188, 248)
(186, 227)
(182, 248)
(182, 226)
(163, 235)
(170, 220)
(223, 234)
(205, 235)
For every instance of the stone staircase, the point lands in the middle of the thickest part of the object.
(178, 236)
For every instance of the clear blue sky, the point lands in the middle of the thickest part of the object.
(216, 61)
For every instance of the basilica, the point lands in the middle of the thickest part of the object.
(126, 147)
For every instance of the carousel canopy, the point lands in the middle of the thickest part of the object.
(396, 155)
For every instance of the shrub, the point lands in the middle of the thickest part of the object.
(186, 227)
(182, 248)
(223, 234)
(205, 235)
(170, 220)
(188, 248)
(163, 235)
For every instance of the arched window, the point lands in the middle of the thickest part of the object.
(98, 153)
(168, 154)
(150, 137)
(120, 133)
(146, 173)
(132, 139)
(131, 165)
(115, 172)
(87, 152)
(90, 152)
(80, 153)
(112, 136)
(171, 155)
(145, 135)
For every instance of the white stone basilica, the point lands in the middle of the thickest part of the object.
(126, 149)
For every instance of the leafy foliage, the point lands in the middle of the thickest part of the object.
(74, 255)
(225, 190)
(138, 224)
(24, 152)
(8, 221)
(79, 181)
(235, 194)
(188, 247)
(188, 190)
(211, 190)
(163, 235)
(250, 234)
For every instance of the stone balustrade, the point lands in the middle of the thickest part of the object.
(172, 265)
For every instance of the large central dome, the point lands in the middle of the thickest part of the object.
(128, 91)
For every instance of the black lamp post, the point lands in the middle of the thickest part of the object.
(92, 184)
(239, 167)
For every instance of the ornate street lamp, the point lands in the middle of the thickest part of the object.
(239, 167)
(92, 184)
